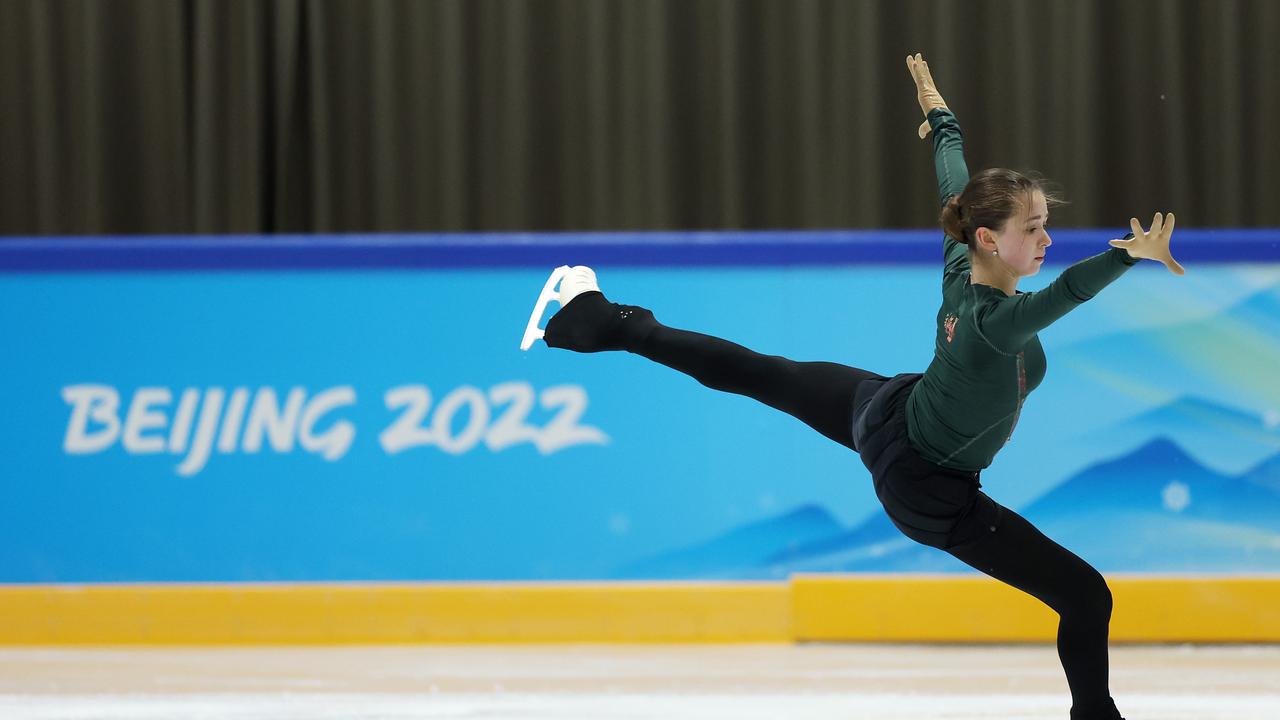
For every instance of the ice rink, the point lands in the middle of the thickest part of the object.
(605, 682)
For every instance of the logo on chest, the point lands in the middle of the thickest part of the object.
(949, 324)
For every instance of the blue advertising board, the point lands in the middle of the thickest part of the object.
(357, 408)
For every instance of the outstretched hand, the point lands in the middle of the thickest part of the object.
(926, 92)
(1153, 245)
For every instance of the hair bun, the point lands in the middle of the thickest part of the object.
(953, 223)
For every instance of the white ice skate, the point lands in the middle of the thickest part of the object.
(573, 281)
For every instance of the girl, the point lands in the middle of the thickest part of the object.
(926, 437)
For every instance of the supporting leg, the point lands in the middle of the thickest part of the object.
(1020, 555)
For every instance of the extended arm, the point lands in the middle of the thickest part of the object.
(948, 153)
(1008, 323)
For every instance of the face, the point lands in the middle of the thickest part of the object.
(1023, 241)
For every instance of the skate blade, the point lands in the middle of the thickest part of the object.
(549, 292)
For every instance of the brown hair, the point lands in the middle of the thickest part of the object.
(989, 199)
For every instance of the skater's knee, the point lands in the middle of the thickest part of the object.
(1104, 602)
(1090, 598)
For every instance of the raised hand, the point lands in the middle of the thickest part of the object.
(1153, 245)
(926, 91)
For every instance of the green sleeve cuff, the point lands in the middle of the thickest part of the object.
(1123, 254)
(937, 116)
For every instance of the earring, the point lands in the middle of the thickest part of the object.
(993, 252)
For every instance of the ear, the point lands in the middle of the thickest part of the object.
(984, 239)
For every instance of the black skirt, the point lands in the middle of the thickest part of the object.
(933, 505)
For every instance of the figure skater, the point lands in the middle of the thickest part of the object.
(926, 437)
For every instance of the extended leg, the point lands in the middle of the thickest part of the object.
(820, 394)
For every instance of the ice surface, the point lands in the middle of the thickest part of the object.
(743, 682)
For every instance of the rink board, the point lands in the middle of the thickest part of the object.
(807, 608)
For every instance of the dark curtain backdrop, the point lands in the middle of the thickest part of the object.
(229, 116)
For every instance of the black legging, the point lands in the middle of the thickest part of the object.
(820, 394)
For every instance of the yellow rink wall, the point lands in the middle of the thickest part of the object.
(866, 608)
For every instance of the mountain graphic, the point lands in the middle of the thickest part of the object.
(742, 552)
(1176, 516)
(1138, 482)
(1261, 309)
(1220, 436)
(1154, 509)
(1266, 473)
(867, 543)
(874, 545)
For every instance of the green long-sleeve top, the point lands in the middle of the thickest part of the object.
(987, 356)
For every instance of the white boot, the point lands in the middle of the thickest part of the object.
(578, 280)
(573, 281)
(586, 321)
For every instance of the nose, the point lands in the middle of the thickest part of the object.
(1047, 240)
